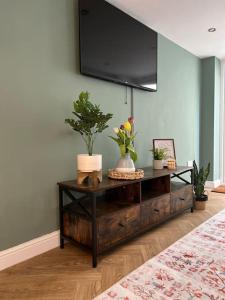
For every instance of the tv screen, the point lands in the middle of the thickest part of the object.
(116, 47)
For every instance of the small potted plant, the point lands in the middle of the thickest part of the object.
(125, 138)
(158, 156)
(200, 177)
(90, 121)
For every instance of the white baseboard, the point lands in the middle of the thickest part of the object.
(22, 252)
(212, 184)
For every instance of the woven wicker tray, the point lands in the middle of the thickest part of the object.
(139, 173)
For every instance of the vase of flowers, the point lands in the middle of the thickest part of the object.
(125, 139)
(89, 122)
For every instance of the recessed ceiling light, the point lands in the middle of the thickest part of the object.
(212, 29)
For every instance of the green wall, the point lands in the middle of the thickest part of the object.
(210, 115)
(172, 112)
(39, 78)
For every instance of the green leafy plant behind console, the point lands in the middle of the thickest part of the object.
(90, 120)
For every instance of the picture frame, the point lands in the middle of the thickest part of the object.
(167, 144)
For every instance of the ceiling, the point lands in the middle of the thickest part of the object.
(185, 22)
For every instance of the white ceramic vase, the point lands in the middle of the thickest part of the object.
(89, 163)
(125, 164)
(157, 164)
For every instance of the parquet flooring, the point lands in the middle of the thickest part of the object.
(67, 274)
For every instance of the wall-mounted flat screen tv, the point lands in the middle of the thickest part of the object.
(116, 47)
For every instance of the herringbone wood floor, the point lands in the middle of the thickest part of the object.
(67, 274)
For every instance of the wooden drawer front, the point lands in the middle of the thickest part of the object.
(117, 226)
(77, 228)
(181, 199)
(155, 210)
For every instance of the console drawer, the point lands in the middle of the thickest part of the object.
(155, 210)
(181, 197)
(117, 226)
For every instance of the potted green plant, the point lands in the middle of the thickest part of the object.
(200, 177)
(125, 138)
(158, 156)
(90, 121)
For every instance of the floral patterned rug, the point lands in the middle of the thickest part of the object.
(191, 268)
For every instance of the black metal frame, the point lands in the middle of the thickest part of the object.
(91, 216)
(179, 176)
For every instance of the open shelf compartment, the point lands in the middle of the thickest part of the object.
(155, 187)
(109, 202)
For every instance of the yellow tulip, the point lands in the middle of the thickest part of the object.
(127, 126)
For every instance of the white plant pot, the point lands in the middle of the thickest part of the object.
(157, 164)
(89, 163)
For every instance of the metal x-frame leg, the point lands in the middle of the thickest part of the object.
(91, 216)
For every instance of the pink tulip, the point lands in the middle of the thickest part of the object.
(131, 120)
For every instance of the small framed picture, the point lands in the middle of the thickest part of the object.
(168, 145)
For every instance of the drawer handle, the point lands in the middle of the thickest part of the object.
(125, 222)
(156, 210)
(182, 199)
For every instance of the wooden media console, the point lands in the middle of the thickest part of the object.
(103, 216)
